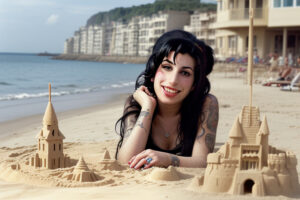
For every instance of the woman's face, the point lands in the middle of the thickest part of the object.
(174, 81)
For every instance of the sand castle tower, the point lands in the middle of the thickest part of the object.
(50, 142)
(246, 163)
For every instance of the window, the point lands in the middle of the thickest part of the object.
(220, 5)
(291, 41)
(288, 3)
(231, 4)
(259, 4)
(53, 132)
(232, 41)
(221, 42)
(276, 3)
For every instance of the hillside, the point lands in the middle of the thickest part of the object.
(125, 14)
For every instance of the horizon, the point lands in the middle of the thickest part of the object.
(34, 26)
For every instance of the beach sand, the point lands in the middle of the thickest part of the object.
(90, 131)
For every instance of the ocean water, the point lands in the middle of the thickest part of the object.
(24, 82)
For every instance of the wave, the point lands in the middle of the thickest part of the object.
(5, 83)
(122, 85)
(24, 95)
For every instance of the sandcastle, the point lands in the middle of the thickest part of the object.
(49, 152)
(246, 163)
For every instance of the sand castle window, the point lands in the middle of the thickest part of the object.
(59, 147)
(53, 132)
(54, 147)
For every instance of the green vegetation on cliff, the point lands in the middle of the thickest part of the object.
(125, 14)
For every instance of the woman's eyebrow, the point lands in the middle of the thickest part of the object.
(187, 67)
(167, 60)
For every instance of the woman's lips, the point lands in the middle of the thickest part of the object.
(170, 92)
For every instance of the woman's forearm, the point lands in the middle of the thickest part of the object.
(137, 139)
(182, 161)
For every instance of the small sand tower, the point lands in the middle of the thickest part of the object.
(82, 173)
(50, 142)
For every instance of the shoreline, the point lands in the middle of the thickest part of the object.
(24, 126)
(101, 58)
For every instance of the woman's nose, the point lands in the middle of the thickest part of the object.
(173, 78)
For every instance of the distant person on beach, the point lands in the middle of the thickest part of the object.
(171, 119)
(273, 63)
(285, 71)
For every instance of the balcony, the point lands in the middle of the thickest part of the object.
(240, 18)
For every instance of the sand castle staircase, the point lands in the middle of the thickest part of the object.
(250, 123)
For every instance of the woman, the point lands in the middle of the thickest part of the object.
(171, 119)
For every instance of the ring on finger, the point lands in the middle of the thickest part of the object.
(148, 160)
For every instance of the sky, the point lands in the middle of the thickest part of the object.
(34, 26)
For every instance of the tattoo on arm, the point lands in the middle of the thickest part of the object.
(210, 141)
(201, 134)
(213, 117)
(139, 121)
(175, 161)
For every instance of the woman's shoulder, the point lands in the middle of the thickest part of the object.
(210, 100)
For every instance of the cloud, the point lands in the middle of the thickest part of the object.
(52, 19)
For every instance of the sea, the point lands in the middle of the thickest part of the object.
(24, 80)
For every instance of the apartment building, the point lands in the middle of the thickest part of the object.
(76, 44)
(98, 40)
(69, 46)
(201, 25)
(133, 37)
(276, 27)
(151, 28)
(136, 38)
(83, 40)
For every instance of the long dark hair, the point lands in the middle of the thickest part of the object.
(190, 113)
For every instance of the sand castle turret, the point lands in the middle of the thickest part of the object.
(50, 142)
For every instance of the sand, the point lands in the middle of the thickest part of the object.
(90, 132)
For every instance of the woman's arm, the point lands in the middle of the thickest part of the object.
(138, 130)
(204, 143)
(206, 136)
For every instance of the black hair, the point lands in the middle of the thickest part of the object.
(190, 113)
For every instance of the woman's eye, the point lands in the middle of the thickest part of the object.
(184, 73)
(166, 67)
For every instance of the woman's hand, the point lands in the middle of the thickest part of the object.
(149, 158)
(144, 98)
